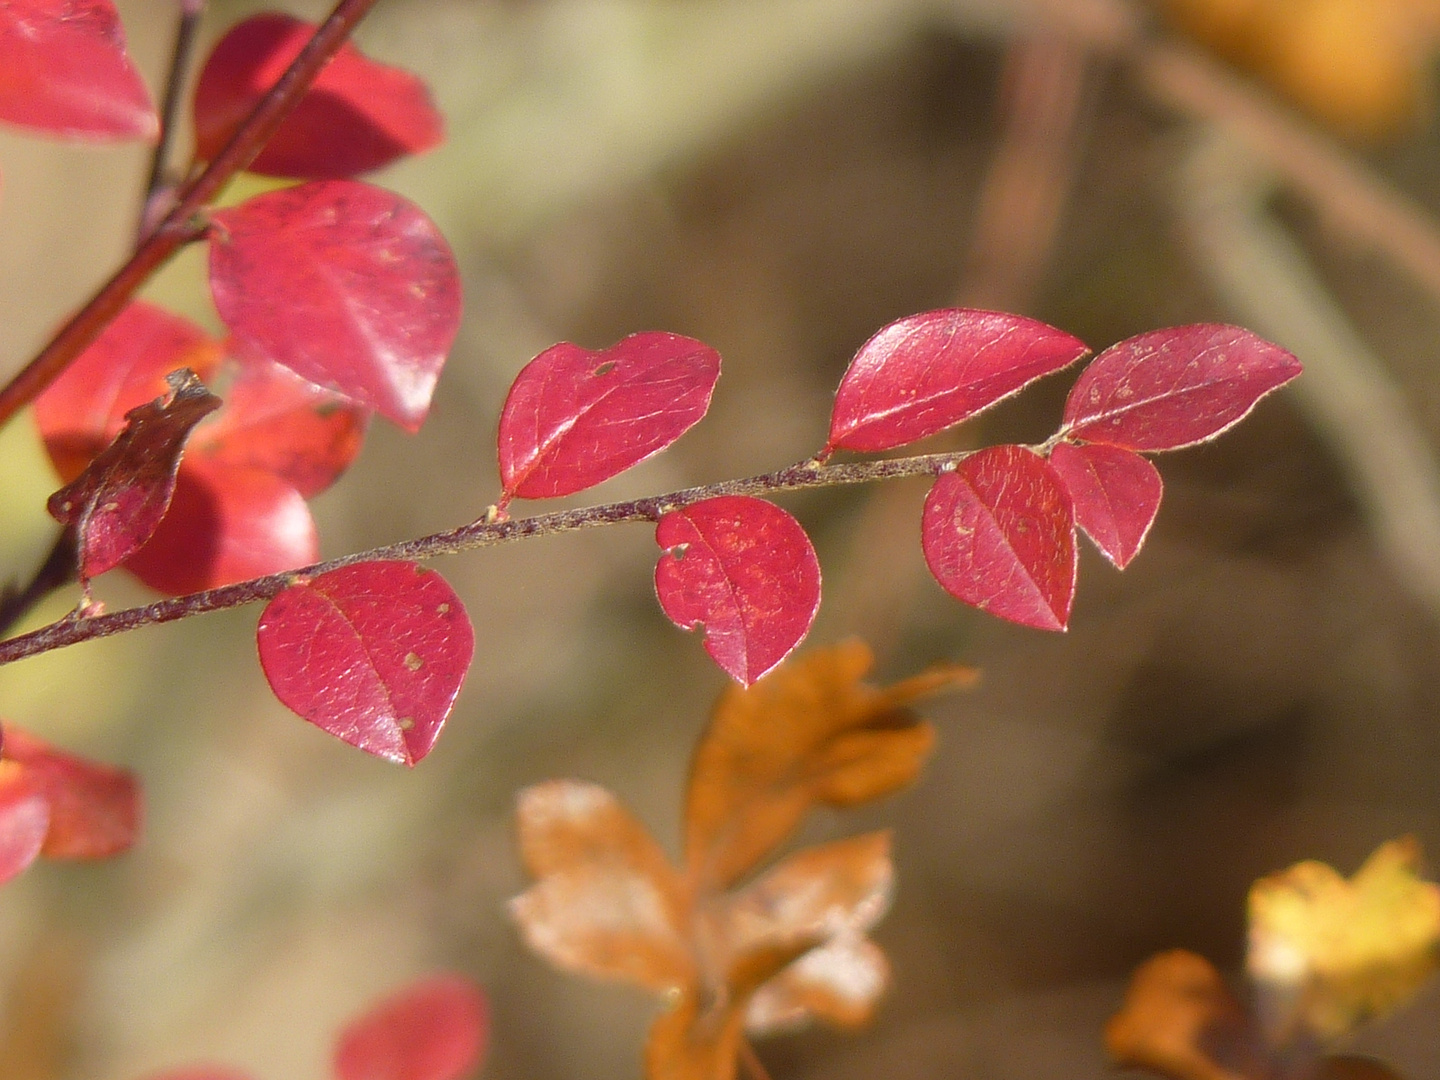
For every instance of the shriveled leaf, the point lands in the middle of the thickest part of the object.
(1116, 494)
(116, 504)
(95, 809)
(1175, 387)
(360, 114)
(810, 733)
(434, 1029)
(685, 1044)
(373, 653)
(1346, 1067)
(574, 417)
(838, 983)
(82, 411)
(349, 285)
(927, 372)
(226, 523)
(999, 533)
(1180, 1020)
(745, 572)
(64, 70)
(606, 902)
(277, 422)
(1327, 953)
(24, 820)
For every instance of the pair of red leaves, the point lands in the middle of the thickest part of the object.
(61, 806)
(434, 1029)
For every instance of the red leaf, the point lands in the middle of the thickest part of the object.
(64, 70)
(226, 523)
(373, 653)
(83, 410)
(94, 808)
(433, 1030)
(275, 421)
(744, 570)
(574, 417)
(930, 371)
(24, 820)
(359, 115)
(116, 504)
(999, 533)
(1116, 495)
(1176, 387)
(348, 285)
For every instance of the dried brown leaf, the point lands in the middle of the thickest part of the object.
(1180, 1019)
(606, 903)
(1346, 1067)
(811, 732)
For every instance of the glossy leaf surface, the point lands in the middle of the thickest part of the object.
(116, 504)
(743, 570)
(64, 70)
(95, 809)
(1177, 387)
(1180, 1020)
(927, 372)
(434, 1029)
(574, 417)
(999, 533)
(1116, 494)
(226, 523)
(360, 114)
(373, 653)
(24, 821)
(349, 285)
(606, 902)
(813, 733)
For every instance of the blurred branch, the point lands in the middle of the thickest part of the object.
(1347, 392)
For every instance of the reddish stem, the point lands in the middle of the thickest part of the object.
(178, 226)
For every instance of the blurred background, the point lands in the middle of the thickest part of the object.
(780, 178)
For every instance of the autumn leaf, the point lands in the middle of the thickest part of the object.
(786, 948)
(1327, 953)
(810, 733)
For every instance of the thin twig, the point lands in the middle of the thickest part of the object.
(179, 226)
(753, 1065)
(486, 532)
(58, 570)
(186, 27)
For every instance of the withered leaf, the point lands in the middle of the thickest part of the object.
(1179, 1019)
(116, 504)
(1347, 1067)
(1327, 953)
(809, 733)
(606, 901)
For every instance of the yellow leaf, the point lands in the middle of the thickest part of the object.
(1326, 953)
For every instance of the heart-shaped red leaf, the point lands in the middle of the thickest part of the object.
(349, 285)
(116, 504)
(1116, 494)
(927, 372)
(226, 523)
(24, 820)
(574, 417)
(94, 808)
(999, 533)
(435, 1029)
(744, 570)
(284, 425)
(373, 653)
(360, 114)
(82, 411)
(1175, 387)
(64, 70)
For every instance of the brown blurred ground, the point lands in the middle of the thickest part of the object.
(1258, 688)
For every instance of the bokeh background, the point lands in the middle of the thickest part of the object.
(780, 178)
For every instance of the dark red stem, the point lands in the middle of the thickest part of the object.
(178, 226)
